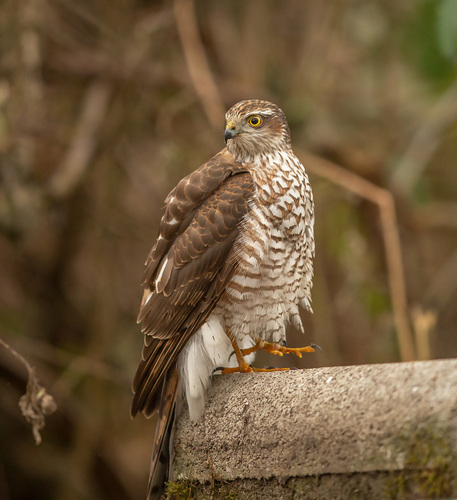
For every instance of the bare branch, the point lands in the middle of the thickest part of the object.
(426, 140)
(197, 62)
(384, 199)
(36, 403)
(82, 148)
(424, 322)
(443, 286)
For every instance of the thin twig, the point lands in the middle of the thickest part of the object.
(443, 286)
(36, 403)
(439, 214)
(424, 322)
(426, 140)
(18, 356)
(85, 365)
(95, 64)
(82, 148)
(197, 62)
(384, 200)
(30, 80)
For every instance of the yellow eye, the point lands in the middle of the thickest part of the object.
(255, 121)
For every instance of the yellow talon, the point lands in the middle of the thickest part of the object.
(272, 348)
(276, 349)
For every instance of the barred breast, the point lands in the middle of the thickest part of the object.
(275, 250)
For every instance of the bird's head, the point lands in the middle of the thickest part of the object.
(255, 128)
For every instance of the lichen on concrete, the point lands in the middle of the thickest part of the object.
(373, 431)
(430, 469)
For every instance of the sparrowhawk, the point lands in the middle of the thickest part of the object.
(232, 263)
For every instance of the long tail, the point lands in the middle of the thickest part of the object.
(160, 462)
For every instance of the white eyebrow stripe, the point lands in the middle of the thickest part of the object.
(267, 112)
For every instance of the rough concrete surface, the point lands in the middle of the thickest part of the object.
(339, 432)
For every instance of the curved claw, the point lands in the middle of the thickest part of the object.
(271, 369)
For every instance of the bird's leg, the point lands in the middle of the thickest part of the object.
(243, 366)
(279, 350)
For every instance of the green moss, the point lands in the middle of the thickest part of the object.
(302, 486)
(220, 491)
(428, 470)
(183, 489)
(430, 464)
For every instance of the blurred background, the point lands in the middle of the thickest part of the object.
(105, 105)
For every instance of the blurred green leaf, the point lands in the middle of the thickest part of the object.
(376, 301)
(447, 28)
(422, 44)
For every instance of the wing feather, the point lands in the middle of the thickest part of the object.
(183, 201)
(189, 267)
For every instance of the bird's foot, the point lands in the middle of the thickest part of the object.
(279, 350)
(249, 369)
(271, 369)
(243, 366)
(272, 348)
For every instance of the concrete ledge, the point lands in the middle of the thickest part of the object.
(340, 432)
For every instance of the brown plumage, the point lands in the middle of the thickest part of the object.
(194, 255)
(234, 254)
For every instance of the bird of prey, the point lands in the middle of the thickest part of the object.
(232, 263)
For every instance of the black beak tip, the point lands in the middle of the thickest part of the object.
(228, 134)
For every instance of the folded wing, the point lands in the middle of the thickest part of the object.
(189, 267)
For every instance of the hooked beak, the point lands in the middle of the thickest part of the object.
(230, 131)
